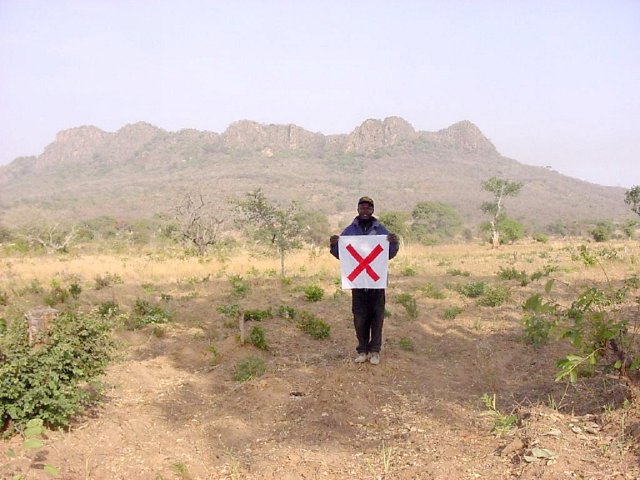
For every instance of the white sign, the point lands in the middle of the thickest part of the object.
(364, 261)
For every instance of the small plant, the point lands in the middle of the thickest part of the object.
(257, 315)
(538, 319)
(108, 309)
(75, 290)
(213, 355)
(513, 274)
(632, 282)
(57, 295)
(431, 291)
(287, 312)
(456, 272)
(4, 299)
(406, 344)
(239, 286)
(408, 271)
(146, 313)
(181, 470)
(313, 325)
(249, 368)
(257, 338)
(313, 293)
(588, 258)
(409, 303)
(501, 423)
(165, 297)
(472, 290)
(230, 310)
(451, 313)
(106, 280)
(33, 435)
(494, 296)
(541, 237)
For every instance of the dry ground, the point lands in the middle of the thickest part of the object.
(167, 413)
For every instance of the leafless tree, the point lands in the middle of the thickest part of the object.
(53, 238)
(196, 223)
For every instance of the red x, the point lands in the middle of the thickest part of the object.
(363, 263)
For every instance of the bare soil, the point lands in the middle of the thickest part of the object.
(168, 413)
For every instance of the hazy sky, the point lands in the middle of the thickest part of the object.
(551, 83)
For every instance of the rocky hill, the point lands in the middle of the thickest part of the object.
(140, 170)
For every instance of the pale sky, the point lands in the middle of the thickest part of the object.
(550, 83)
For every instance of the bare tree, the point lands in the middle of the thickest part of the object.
(196, 223)
(500, 188)
(53, 238)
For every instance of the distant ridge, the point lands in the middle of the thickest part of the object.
(141, 169)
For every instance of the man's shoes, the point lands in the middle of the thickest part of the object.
(374, 358)
(361, 358)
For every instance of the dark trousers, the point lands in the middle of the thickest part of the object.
(367, 306)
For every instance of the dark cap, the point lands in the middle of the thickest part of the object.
(366, 199)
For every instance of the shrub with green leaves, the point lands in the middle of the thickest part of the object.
(451, 313)
(406, 344)
(313, 293)
(312, 325)
(147, 313)
(409, 303)
(239, 286)
(287, 312)
(473, 289)
(109, 308)
(4, 298)
(249, 368)
(230, 310)
(431, 291)
(257, 338)
(256, 315)
(538, 319)
(46, 382)
(513, 274)
(456, 272)
(494, 296)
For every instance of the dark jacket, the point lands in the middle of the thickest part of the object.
(376, 228)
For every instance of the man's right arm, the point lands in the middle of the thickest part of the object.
(333, 245)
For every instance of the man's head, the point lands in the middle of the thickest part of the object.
(365, 208)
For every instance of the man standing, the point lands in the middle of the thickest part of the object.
(367, 304)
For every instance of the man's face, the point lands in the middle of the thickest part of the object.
(365, 211)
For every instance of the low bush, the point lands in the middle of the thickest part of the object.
(409, 303)
(451, 313)
(258, 338)
(313, 293)
(494, 296)
(313, 325)
(249, 368)
(257, 315)
(47, 382)
(473, 289)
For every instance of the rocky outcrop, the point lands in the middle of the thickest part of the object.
(374, 134)
(249, 135)
(462, 136)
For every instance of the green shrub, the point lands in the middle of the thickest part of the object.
(313, 325)
(257, 338)
(431, 291)
(146, 313)
(106, 280)
(213, 355)
(75, 290)
(409, 303)
(230, 310)
(249, 368)
(46, 382)
(239, 286)
(494, 296)
(473, 289)
(4, 299)
(409, 271)
(513, 274)
(456, 272)
(541, 237)
(108, 309)
(406, 344)
(632, 282)
(313, 293)
(287, 312)
(451, 313)
(257, 315)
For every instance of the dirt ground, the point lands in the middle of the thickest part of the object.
(168, 413)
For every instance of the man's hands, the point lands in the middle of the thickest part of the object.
(392, 238)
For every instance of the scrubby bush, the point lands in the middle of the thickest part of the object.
(409, 303)
(249, 368)
(257, 337)
(47, 381)
(256, 315)
(313, 293)
(313, 325)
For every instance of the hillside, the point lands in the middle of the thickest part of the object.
(140, 170)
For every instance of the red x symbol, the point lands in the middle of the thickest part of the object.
(363, 263)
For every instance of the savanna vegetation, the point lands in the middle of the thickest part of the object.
(172, 358)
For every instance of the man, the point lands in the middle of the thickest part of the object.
(367, 304)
